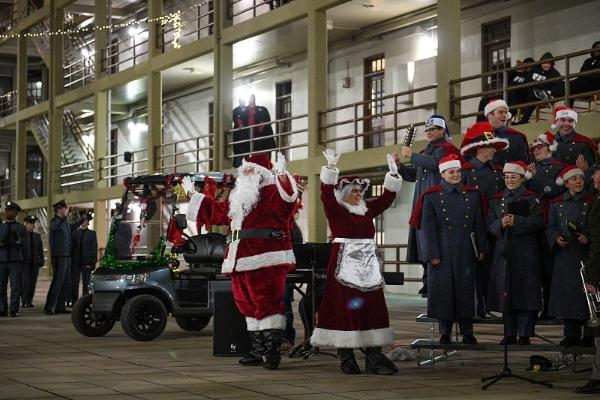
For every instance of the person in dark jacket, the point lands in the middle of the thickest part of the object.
(423, 170)
(515, 220)
(236, 117)
(479, 147)
(566, 231)
(60, 251)
(84, 254)
(13, 250)
(572, 148)
(249, 116)
(33, 261)
(450, 215)
(545, 90)
(592, 277)
(519, 76)
(497, 114)
(587, 83)
(544, 172)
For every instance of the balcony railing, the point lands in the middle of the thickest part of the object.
(243, 10)
(111, 168)
(126, 53)
(7, 18)
(77, 176)
(188, 155)
(241, 141)
(356, 122)
(196, 23)
(79, 72)
(8, 103)
(465, 105)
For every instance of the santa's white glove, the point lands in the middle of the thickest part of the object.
(392, 164)
(188, 185)
(332, 159)
(280, 164)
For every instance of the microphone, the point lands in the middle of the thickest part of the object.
(538, 200)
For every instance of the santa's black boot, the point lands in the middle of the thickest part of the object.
(348, 363)
(377, 363)
(272, 341)
(257, 349)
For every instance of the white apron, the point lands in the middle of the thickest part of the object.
(357, 265)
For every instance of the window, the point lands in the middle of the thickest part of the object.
(373, 108)
(283, 110)
(495, 41)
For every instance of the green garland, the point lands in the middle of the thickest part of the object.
(157, 257)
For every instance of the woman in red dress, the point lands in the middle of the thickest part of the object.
(353, 312)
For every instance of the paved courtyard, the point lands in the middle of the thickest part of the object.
(43, 357)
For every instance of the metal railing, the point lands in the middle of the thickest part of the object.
(77, 176)
(243, 10)
(466, 101)
(196, 23)
(110, 168)
(382, 127)
(196, 152)
(80, 72)
(243, 144)
(8, 103)
(7, 18)
(396, 257)
(7, 190)
(78, 134)
(126, 53)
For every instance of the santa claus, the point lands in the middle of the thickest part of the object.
(353, 312)
(259, 254)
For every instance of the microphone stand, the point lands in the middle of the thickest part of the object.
(505, 372)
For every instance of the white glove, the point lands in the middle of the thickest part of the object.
(188, 185)
(392, 165)
(332, 159)
(280, 164)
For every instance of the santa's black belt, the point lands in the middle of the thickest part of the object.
(255, 233)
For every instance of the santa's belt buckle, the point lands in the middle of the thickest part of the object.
(235, 236)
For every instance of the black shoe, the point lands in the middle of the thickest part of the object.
(49, 312)
(348, 363)
(4, 314)
(423, 291)
(30, 305)
(377, 363)
(587, 341)
(14, 314)
(24, 305)
(445, 339)
(591, 387)
(570, 342)
(255, 357)
(524, 340)
(469, 339)
(272, 342)
(508, 340)
(545, 317)
(65, 311)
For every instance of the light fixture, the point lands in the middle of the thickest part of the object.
(133, 31)
(85, 53)
(38, 84)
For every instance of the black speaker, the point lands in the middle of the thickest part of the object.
(230, 336)
(128, 156)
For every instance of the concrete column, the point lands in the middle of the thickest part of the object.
(155, 115)
(317, 100)
(20, 175)
(223, 87)
(448, 59)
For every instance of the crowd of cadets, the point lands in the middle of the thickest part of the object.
(22, 255)
(487, 216)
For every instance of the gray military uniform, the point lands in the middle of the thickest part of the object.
(13, 246)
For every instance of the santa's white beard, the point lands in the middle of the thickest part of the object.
(243, 198)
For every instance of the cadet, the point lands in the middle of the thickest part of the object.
(84, 254)
(13, 246)
(450, 215)
(497, 114)
(516, 231)
(424, 172)
(573, 148)
(60, 251)
(33, 261)
(566, 232)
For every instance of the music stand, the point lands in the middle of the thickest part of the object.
(520, 208)
(316, 256)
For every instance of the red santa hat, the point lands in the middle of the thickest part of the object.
(517, 167)
(493, 105)
(568, 173)
(451, 161)
(564, 112)
(545, 139)
(479, 135)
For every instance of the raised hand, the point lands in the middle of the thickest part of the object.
(280, 164)
(188, 186)
(331, 158)
(391, 160)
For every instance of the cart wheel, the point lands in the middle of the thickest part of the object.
(194, 323)
(86, 321)
(144, 317)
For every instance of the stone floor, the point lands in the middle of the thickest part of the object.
(43, 357)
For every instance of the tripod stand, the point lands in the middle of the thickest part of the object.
(505, 371)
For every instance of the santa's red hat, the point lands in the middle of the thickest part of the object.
(517, 167)
(261, 165)
(451, 161)
(493, 105)
(479, 135)
(545, 139)
(564, 112)
(568, 173)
